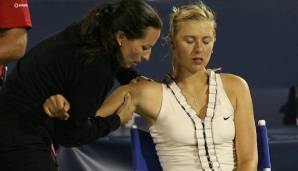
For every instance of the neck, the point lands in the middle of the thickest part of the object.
(194, 86)
(199, 78)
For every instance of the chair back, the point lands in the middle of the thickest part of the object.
(143, 149)
(145, 157)
(264, 163)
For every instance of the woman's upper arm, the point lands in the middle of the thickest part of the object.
(246, 142)
(114, 101)
(148, 99)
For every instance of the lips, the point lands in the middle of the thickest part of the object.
(134, 64)
(197, 60)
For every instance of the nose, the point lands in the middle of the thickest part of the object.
(198, 46)
(146, 56)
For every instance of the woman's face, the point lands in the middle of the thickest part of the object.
(193, 44)
(136, 50)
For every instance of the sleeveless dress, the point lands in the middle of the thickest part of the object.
(184, 142)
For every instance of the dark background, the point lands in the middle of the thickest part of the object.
(256, 39)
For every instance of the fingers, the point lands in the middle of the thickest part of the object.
(66, 105)
(65, 116)
(127, 99)
(126, 103)
(140, 78)
(126, 110)
(133, 81)
(57, 106)
(47, 111)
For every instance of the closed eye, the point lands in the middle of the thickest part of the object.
(189, 40)
(148, 47)
(207, 40)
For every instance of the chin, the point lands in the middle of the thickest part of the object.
(127, 66)
(124, 65)
(198, 69)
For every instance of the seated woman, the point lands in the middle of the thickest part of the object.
(199, 120)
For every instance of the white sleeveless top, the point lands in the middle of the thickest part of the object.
(184, 142)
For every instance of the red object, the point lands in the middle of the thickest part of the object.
(2, 74)
(14, 13)
(2, 70)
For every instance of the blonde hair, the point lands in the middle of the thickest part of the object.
(196, 12)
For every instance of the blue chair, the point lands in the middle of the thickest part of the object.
(146, 159)
(264, 163)
(143, 150)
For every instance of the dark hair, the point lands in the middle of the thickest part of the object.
(98, 28)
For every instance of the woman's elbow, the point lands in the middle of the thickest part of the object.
(20, 48)
(248, 164)
(16, 43)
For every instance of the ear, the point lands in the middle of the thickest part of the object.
(120, 36)
(171, 42)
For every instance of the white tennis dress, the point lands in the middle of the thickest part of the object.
(184, 142)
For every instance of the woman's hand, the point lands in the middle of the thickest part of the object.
(119, 103)
(125, 111)
(140, 78)
(57, 106)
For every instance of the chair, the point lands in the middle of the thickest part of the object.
(143, 150)
(264, 163)
(146, 159)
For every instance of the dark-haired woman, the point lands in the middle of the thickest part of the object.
(72, 71)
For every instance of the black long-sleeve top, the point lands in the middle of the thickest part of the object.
(57, 66)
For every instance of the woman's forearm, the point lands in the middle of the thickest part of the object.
(249, 165)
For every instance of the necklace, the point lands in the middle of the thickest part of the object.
(195, 100)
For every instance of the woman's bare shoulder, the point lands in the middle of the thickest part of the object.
(235, 86)
(233, 81)
(148, 97)
(146, 87)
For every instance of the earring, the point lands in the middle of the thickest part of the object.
(120, 44)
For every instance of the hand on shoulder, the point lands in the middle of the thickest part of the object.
(144, 88)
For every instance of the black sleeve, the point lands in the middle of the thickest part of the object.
(56, 66)
(86, 88)
(124, 75)
(84, 132)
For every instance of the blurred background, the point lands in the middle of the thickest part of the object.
(257, 40)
